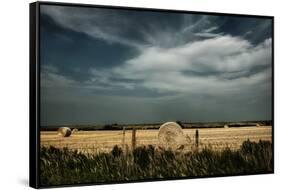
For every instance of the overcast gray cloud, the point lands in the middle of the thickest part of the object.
(226, 65)
(183, 67)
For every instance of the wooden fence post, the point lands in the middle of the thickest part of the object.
(123, 138)
(197, 138)
(134, 138)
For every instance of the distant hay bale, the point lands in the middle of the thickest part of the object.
(171, 135)
(226, 126)
(64, 131)
(257, 125)
(75, 130)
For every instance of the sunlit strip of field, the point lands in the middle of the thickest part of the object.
(103, 141)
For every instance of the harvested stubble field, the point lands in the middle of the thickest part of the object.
(104, 140)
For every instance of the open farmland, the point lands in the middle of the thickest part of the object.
(105, 140)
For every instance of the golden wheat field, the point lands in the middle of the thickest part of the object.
(104, 140)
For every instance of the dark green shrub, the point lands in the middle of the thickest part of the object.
(142, 156)
(116, 151)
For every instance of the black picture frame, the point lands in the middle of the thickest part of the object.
(34, 90)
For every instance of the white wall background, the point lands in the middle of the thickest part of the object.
(14, 94)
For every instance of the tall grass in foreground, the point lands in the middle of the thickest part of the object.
(61, 166)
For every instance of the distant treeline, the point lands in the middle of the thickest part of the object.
(185, 125)
(225, 124)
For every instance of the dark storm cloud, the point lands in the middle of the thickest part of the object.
(253, 29)
(73, 52)
(107, 65)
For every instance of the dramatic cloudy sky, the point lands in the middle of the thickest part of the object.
(105, 66)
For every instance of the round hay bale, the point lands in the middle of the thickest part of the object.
(171, 135)
(64, 131)
(258, 125)
(226, 126)
(75, 130)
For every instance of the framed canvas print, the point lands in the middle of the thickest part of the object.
(120, 94)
